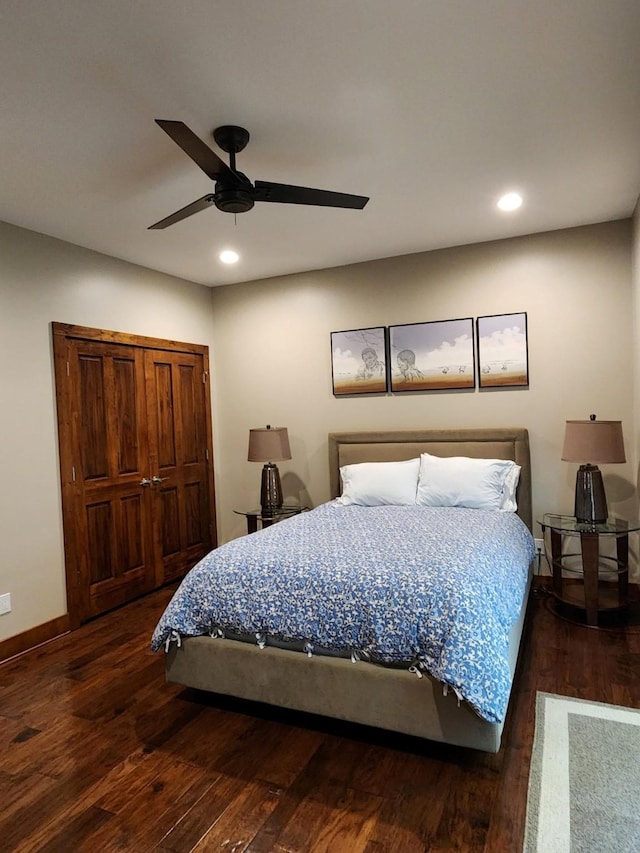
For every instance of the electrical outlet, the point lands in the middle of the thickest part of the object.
(539, 546)
(5, 603)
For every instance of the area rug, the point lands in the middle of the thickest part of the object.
(584, 782)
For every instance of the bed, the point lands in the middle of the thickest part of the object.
(412, 694)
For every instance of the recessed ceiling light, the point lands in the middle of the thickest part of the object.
(229, 256)
(510, 201)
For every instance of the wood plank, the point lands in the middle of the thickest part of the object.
(240, 821)
(335, 818)
(73, 835)
(142, 820)
(217, 812)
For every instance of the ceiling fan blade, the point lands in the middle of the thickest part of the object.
(287, 194)
(189, 210)
(195, 148)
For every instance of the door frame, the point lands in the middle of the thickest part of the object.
(62, 333)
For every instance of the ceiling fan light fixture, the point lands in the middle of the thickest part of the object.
(228, 256)
(510, 201)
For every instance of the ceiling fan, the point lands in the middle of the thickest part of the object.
(234, 192)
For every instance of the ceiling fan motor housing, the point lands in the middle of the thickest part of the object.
(233, 199)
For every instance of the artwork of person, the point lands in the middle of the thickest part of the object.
(407, 366)
(372, 367)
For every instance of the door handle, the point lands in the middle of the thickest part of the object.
(157, 480)
(145, 481)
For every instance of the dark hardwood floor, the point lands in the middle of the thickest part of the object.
(97, 753)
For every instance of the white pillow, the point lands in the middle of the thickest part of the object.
(467, 482)
(508, 503)
(378, 483)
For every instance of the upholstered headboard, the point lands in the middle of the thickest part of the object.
(346, 448)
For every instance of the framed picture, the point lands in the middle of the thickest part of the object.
(436, 356)
(359, 361)
(503, 354)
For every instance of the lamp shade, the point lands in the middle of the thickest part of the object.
(599, 442)
(268, 444)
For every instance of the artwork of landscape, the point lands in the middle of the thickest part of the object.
(434, 356)
(502, 350)
(359, 361)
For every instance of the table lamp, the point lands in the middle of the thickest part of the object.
(590, 442)
(269, 445)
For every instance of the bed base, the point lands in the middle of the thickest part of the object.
(364, 693)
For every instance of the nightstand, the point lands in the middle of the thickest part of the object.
(586, 578)
(256, 517)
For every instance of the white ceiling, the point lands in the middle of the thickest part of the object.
(431, 107)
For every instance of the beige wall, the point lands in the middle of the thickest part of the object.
(273, 360)
(270, 358)
(42, 279)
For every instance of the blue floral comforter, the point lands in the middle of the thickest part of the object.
(436, 589)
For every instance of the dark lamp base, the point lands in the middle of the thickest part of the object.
(270, 489)
(591, 502)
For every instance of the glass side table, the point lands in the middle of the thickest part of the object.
(257, 517)
(586, 578)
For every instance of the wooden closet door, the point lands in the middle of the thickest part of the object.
(114, 558)
(136, 463)
(177, 405)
